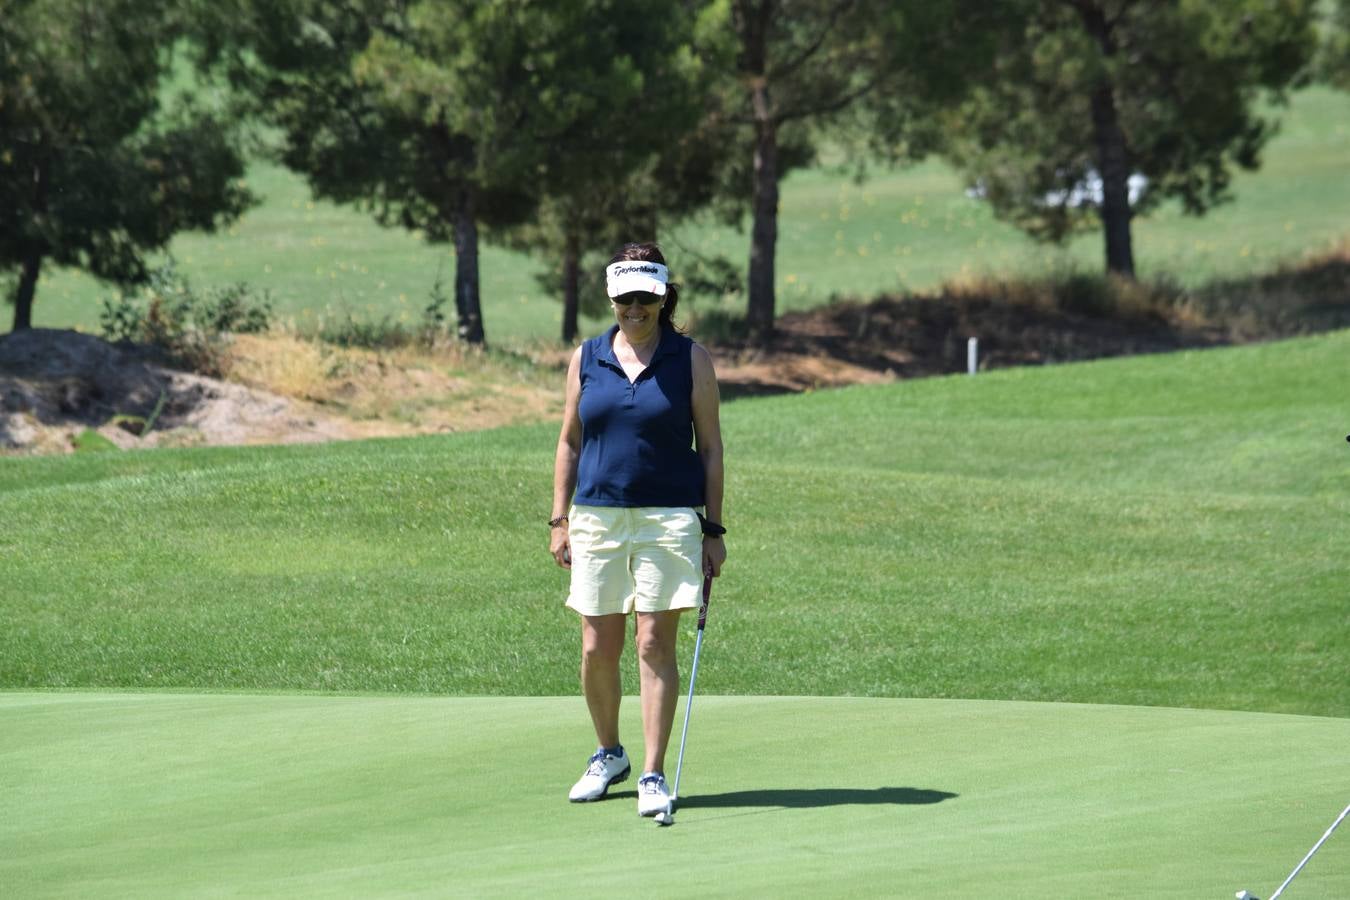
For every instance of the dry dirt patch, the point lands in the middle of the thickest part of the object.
(55, 386)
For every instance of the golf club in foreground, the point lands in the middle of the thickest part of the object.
(668, 818)
(1246, 895)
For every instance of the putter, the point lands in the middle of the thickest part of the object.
(669, 817)
(1247, 895)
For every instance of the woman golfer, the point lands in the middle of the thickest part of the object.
(637, 507)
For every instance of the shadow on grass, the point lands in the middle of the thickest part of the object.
(812, 798)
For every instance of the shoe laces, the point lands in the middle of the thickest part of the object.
(596, 764)
(652, 784)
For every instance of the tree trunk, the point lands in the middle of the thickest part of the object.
(753, 25)
(764, 233)
(571, 253)
(468, 308)
(27, 288)
(1114, 166)
(1112, 155)
(31, 267)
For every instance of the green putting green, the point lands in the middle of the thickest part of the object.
(148, 795)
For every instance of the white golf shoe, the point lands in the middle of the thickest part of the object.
(602, 770)
(653, 795)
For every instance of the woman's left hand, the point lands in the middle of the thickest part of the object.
(714, 554)
(560, 546)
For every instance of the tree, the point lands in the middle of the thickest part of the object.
(351, 91)
(96, 171)
(799, 66)
(446, 115)
(1086, 93)
(575, 224)
(1334, 57)
(632, 156)
(628, 187)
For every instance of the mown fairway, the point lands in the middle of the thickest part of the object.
(113, 795)
(900, 230)
(1161, 531)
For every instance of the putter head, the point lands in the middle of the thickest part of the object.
(1247, 895)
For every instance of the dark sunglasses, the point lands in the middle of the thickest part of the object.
(641, 297)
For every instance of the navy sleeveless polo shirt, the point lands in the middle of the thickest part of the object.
(637, 438)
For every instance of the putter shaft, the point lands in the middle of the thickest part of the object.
(693, 677)
(1316, 846)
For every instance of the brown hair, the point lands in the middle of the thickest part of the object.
(649, 252)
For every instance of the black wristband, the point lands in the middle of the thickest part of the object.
(710, 528)
(554, 523)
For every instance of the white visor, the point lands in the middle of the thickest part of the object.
(635, 275)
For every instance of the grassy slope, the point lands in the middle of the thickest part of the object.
(142, 796)
(909, 229)
(1160, 531)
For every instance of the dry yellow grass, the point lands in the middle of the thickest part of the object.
(282, 364)
(415, 389)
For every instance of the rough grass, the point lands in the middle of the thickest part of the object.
(1159, 530)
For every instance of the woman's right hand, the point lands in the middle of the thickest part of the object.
(559, 546)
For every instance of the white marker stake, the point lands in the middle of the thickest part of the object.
(972, 355)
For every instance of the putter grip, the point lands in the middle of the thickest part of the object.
(707, 595)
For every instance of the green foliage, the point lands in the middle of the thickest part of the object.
(233, 308)
(789, 74)
(95, 171)
(712, 276)
(1184, 78)
(189, 326)
(348, 330)
(902, 230)
(817, 58)
(720, 325)
(345, 328)
(1333, 63)
(633, 159)
(444, 115)
(1086, 294)
(434, 320)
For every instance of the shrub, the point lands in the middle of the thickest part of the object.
(435, 324)
(348, 331)
(1087, 295)
(233, 309)
(189, 327)
(718, 325)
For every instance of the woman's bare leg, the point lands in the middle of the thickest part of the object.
(601, 647)
(660, 677)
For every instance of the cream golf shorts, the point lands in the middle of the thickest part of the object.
(646, 558)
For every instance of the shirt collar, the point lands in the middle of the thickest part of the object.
(669, 344)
